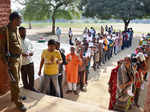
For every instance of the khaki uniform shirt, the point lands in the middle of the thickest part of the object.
(13, 40)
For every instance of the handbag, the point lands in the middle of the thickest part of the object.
(120, 106)
(38, 82)
(122, 101)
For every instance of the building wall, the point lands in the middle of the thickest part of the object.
(4, 12)
(4, 17)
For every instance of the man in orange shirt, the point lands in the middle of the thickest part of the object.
(72, 71)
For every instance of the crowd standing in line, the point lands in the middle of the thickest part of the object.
(128, 78)
(93, 50)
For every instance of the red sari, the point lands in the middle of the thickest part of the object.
(113, 87)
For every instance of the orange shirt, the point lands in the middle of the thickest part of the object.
(106, 44)
(72, 68)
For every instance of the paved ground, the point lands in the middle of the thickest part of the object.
(41, 103)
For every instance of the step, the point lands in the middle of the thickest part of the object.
(37, 102)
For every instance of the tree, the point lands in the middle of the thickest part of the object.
(82, 4)
(146, 7)
(54, 9)
(125, 10)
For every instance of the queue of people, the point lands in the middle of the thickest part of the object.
(92, 50)
(128, 77)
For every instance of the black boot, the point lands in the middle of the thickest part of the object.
(22, 108)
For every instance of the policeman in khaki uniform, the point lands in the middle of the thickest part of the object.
(10, 54)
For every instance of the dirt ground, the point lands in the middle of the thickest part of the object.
(97, 89)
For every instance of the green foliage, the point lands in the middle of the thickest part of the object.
(126, 10)
(147, 7)
(82, 4)
(44, 9)
(67, 14)
(120, 9)
(35, 10)
(54, 9)
(63, 14)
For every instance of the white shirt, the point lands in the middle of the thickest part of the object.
(26, 49)
(101, 41)
(89, 38)
(58, 31)
(85, 35)
(70, 33)
(92, 31)
(88, 53)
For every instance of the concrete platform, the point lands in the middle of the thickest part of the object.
(42, 103)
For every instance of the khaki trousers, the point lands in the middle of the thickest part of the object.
(14, 69)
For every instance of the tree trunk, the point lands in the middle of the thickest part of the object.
(30, 26)
(53, 24)
(126, 26)
(126, 23)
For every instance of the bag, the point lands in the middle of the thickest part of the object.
(38, 83)
(120, 106)
(122, 102)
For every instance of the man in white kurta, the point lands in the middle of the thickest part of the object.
(27, 69)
